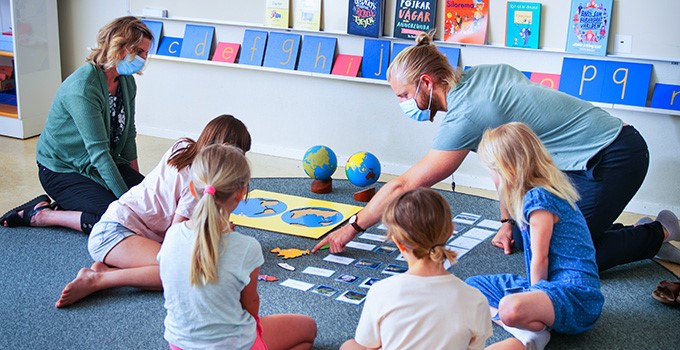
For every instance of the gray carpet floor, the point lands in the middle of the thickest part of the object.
(36, 263)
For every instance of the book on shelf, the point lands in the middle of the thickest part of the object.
(589, 22)
(276, 13)
(366, 17)
(466, 21)
(523, 25)
(414, 17)
(307, 14)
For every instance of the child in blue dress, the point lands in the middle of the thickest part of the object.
(561, 290)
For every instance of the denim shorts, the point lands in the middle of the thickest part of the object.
(104, 236)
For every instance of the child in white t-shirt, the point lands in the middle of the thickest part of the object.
(209, 272)
(125, 242)
(427, 307)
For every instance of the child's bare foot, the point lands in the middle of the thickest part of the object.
(82, 286)
(101, 267)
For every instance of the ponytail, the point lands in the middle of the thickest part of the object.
(218, 173)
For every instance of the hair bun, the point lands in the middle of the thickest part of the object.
(423, 39)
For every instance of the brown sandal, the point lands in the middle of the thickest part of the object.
(668, 292)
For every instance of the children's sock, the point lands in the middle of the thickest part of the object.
(668, 252)
(532, 340)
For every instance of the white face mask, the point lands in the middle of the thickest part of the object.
(411, 109)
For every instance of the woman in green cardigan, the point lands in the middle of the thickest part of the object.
(87, 155)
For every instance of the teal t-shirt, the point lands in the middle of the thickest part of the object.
(488, 96)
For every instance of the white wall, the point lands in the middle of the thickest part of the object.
(288, 113)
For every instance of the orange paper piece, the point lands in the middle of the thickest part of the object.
(290, 253)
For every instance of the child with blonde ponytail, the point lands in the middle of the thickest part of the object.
(209, 272)
(561, 290)
(427, 307)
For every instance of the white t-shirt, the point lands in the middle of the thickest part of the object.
(416, 312)
(210, 316)
(148, 208)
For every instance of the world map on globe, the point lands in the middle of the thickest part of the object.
(312, 217)
(362, 169)
(260, 207)
(319, 162)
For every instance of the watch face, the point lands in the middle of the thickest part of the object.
(352, 219)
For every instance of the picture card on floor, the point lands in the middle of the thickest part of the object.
(295, 284)
(466, 218)
(400, 257)
(373, 237)
(479, 233)
(352, 297)
(338, 259)
(324, 290)
(317, 271)
(490, 224)
(368, 264)
(346, 278)
(465, 242)
(385, 249)
(368, 282)
(458, 229)
(362, 246)
(382, 227)
(392, 269)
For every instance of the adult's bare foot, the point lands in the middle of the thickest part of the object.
(82, 286)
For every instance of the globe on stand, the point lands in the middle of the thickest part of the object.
(319, 163)
(363, 169)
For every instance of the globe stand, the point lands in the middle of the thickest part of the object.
(322, 186)
(364, 195)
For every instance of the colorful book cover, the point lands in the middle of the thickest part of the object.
(466, 21)
(276, 13)
(414, 17)
(365, 17)
(523, 24)
(589, 22)
(307, 14)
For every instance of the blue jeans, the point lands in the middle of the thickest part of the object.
(612, 178)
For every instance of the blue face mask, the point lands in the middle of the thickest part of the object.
(411, 109)
(129, 65)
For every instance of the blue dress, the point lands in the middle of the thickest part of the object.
(573, 283)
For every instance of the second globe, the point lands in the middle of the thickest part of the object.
(362, 169)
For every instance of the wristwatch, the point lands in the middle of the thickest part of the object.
(355, 225)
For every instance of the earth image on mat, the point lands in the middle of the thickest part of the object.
(312, 217)
(260, 207)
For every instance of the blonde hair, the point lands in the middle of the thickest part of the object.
(521, 161)
(224, 168)
(113, 39)
(423, 58)
(420, 219)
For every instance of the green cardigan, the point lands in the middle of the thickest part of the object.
(78, 128)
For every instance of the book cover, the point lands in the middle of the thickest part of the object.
(414, 17)
(523, 25)
(466, 21)
(589, 22)
(276, 13)
(307, 14)
(365, 17)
